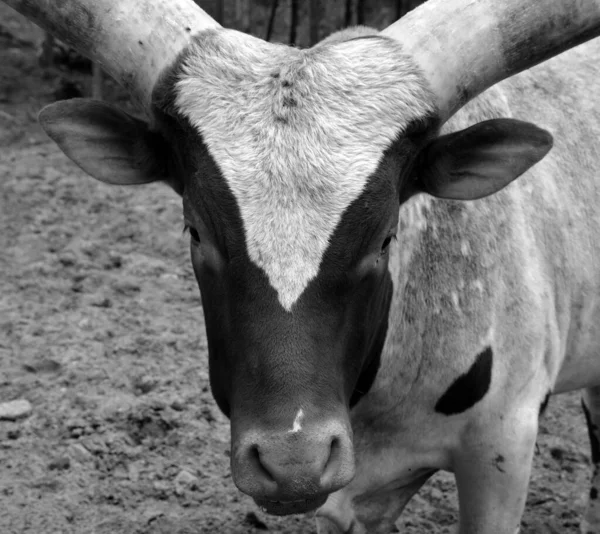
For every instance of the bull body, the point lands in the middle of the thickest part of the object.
(517, 272)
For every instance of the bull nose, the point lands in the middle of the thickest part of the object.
(293, 471)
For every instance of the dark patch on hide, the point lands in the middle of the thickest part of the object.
(593, 494)
(373, 361)
(498, 463)
(593, 434)
(468, 389)
(544, 404)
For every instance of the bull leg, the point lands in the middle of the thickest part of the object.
(591, 408)
(337, 515)
(492, 470)
(375, 514)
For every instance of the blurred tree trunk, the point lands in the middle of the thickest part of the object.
(404, 6)
(360, 11)
(220, 12)
(348, 13)
(294, 22)
(314, 17)
(242, 15)
(271, 23)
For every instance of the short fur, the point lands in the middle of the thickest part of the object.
(310, 128)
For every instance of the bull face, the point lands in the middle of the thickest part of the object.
(292, 165)
(291, 220)
(287, 372)
(290, 223)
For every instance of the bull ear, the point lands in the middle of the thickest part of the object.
(481, 159)
(107, 143)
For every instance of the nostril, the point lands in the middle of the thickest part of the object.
(254, 455)
(333, 461)
(334, 448)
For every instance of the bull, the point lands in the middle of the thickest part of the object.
(366, 325)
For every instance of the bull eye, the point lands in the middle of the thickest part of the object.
(193, 233)
(386, 243)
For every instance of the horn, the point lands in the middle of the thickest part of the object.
(134, 41)
(465, 46)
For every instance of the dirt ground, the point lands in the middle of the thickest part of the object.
(101, 330)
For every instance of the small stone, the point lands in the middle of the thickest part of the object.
(435, 494)
(162, 489)
(96, 445)
(153, 514)
(67, 259)
(144, 384)
(120, 472)
(178, 405)
(116, 260)
(78, 452)
(133, 472)
(85, 324)
(14, 433)
(126, 287)
(76, 427)
(45, 365)
(102, 302)
(185, 481)
(13, 410)
(60, 464)
(207, 414)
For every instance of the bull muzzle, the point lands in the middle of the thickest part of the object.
(293, 470)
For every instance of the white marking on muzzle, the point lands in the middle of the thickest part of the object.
(297, 425)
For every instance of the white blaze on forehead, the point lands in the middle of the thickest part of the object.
(296, 135)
